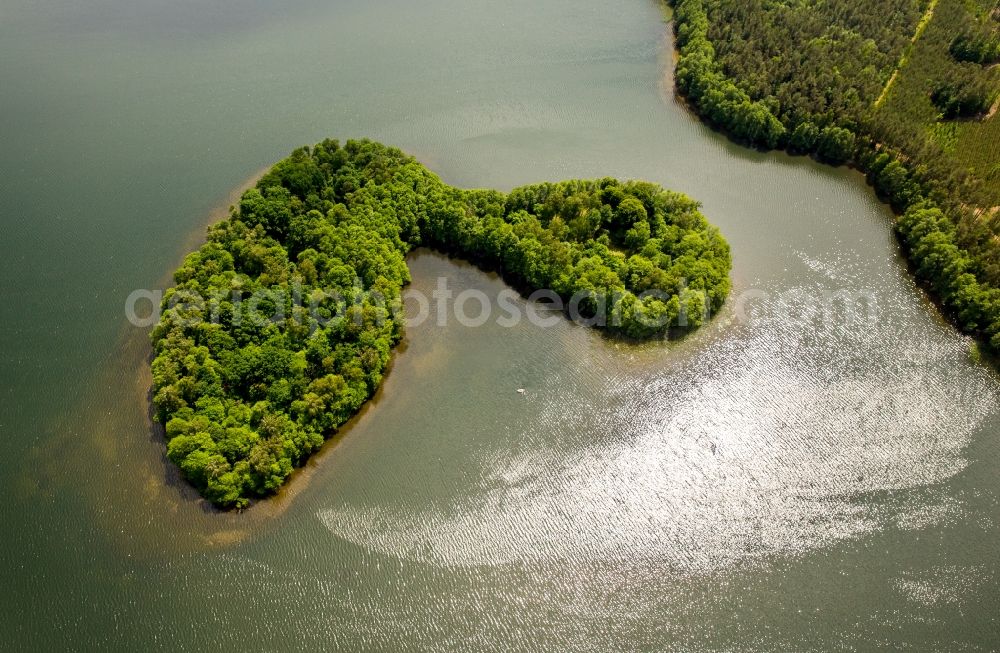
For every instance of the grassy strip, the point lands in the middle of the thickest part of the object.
(921, 26)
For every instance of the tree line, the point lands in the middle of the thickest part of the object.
(810, 78)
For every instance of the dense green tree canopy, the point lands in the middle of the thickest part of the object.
(902, 89)
(281, 326)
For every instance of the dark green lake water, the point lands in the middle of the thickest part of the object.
(782, 480)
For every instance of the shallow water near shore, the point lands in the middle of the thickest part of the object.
(781, 479)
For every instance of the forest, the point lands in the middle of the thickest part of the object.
(282, 324)
(905, 90)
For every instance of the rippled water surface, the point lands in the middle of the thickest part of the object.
(815, 470)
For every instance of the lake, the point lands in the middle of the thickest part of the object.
(817, 469)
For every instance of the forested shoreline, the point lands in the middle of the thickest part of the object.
(282, 325)
(878, 86)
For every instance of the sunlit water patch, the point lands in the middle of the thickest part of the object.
(766, 442)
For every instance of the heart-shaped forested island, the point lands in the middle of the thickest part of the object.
(281, 326)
